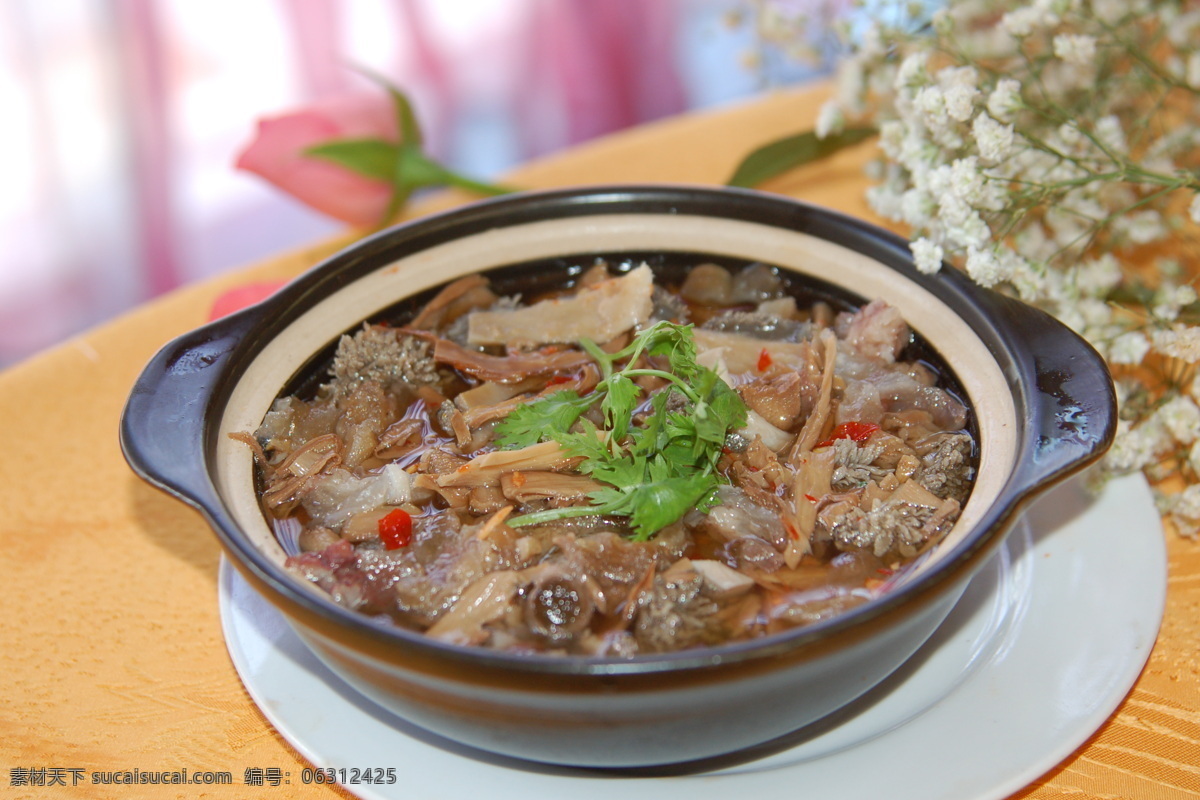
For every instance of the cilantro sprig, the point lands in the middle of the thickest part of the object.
(654, 471)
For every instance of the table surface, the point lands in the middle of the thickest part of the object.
(111, 649)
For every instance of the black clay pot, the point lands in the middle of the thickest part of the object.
(1041, 397)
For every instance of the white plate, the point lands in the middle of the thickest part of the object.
(1045, 643)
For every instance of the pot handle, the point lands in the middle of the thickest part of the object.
(1070, 412)
(163, 426)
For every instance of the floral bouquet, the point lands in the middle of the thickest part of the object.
(1052, 151)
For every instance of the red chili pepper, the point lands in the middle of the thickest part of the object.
(396, 529)
(560, 379)
(858, 431)
(764, 360)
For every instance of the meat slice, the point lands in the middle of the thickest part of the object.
(599, 313)
(876, 331)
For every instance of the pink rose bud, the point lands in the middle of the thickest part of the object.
(240, 297)
(277, 154)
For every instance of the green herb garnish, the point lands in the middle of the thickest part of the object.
(657, 470)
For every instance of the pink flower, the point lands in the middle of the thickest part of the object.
(277, 154)
(240, 297)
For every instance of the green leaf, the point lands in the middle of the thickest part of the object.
(415, 170)
(792, 151)
(551, 417)
(618, 405)
(657, 470)
(406, 119)
(373, 158)
(660, 503)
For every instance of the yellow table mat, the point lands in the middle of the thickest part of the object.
(111, 653)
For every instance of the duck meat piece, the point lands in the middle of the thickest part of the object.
(876, 332)
(779, 400)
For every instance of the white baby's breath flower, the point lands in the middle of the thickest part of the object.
(963, 226)
(960, 102)
(1179, 341)
(850, 84)
(967, 77)
(1097, 314)
(984, 267)
(930, 101)
(966, 180)
(917, 208)
(1192, 70)
(1067, 138)
(1069, 229)
(891, 138)
(1181, 417)
(1005, 100)
(960, 87)
(1186, 504)
(830, 119)
(885, 201)
(1020, 22)
(1078, 49)
(1135, 448)
(912, 74)
(943, 22)
(1141, 227)
(1128, 348)
(1099, 276)
(1110, 131)
(1194, 457)
(870, 45)
(927, 255)
(1181, 28)
(1110, 11)
(993, 138)
(1169, 300)
(1070, 316)
(1056, 8)
(1033, 242)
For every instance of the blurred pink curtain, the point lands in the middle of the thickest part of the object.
(130, 113)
